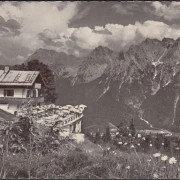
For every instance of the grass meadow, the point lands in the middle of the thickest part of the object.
(89, 160)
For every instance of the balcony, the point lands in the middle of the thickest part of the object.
(17, 100)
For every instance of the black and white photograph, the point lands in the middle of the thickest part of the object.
(89, 89)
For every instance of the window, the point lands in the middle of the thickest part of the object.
(8, 92)
(39, 92)
(28, 93)
(34, 93)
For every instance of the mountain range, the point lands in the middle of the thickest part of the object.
(142, 83)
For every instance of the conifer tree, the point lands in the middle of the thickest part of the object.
(132, 129)
(97, 137)
(107, 135)
(158, 141)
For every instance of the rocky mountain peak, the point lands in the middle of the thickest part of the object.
(59, 62)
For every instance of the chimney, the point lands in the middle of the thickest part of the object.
(6, 69)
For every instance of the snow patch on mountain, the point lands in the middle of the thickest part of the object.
(155, 89)
(104, 91)
(175, 106)
(147, 122)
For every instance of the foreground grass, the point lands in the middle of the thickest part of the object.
(75, 161)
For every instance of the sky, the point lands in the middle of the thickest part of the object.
(79, 27)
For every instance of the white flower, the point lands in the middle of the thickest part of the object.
(108, 148)
(119, 142)
(157, 154)
(115, 153)
(155, 175)
(149, 160)
(138, 144)
(127, 167)
(143, 138)
(125, 143)
(129, 134)
(163, 144)
(177, 148)
(117, 133)
(172, 160)
(164, 158)
(139, 135)
(132, 146)
(150, 145)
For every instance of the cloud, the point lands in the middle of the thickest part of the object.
(86, 39)
(27, 26)
(32, 25)
(101, 30)
(169, 13)
(9, 28)
(35, 17)
(50, 38)
(125, 8)
(83, 40)
(82, 13)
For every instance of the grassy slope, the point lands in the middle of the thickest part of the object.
(78, 161)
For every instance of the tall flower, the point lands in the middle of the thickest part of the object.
(155, 175)
(164, 158)
(139, 135)
(172, 160)
(157, 154)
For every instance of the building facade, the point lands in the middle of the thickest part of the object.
(19, 87)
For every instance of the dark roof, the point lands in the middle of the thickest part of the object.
(18, 78)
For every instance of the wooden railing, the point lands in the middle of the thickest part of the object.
(68, 120)
(21, 100)
(71, 119)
